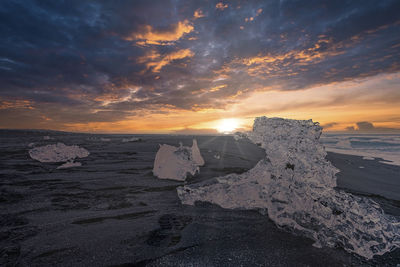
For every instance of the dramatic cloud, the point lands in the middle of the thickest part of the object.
(104, 65)
(148, 35)
(156, 62)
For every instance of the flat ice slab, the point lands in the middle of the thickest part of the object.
(57, 153)
(177, 162)
(69, 164)
(131, 139)
(295, 185)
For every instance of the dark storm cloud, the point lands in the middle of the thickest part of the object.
(107, 60)
(365, 126)
(369, 127)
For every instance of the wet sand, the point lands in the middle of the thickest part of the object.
(379, 181)
(368, 176)
(113, 212)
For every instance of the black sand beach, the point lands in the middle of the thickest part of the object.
(112, 211)
(195, 133)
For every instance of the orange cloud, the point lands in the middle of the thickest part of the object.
(148, 35)
(302, 56)
(205, 90)
(259, 11)
(198, 14)
(221, 6)
(239, 93)
(156, 62)
(149, 56)
(16, 104)
(273, 64)
(217, 88)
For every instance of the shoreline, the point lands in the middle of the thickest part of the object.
(374, 178)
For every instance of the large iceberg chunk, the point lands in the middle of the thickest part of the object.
(294, 184)
(176, 162)
(57, 153)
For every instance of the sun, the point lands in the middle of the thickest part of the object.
(227, 125)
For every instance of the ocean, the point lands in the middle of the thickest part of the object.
(370, 146)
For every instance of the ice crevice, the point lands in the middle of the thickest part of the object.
(295, 185)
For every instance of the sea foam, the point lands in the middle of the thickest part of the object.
(369, 146)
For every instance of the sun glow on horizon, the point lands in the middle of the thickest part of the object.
(227, 125)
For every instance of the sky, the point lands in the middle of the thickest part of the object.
(194, 66)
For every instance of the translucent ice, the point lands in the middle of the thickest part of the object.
(176, 162)
(197, 158)
(57, 153)
(295, 184)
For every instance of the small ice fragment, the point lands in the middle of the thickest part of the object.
(105, 139)
(369, 158)
(239, 135)
(361, 167)
(46, 137)
(31, 144)
(69, 164)
(132, 139)
(217, 156)
(197, 158)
